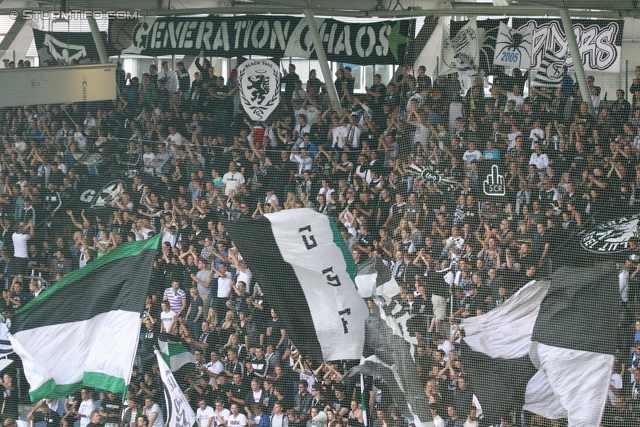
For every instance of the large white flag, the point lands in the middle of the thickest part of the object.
(460, 54)
(181, 413)
(536, 351)
(513, 47)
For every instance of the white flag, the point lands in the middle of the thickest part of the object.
(181, 413)
(513, 47)
(460, 54)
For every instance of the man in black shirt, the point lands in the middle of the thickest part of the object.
(110, 409)
(50, 418)
(289, 80)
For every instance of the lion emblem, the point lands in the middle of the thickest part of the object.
(259, 87)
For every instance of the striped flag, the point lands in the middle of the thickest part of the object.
(547, 348)
(306, 272)
(84, 329)
(549, 73)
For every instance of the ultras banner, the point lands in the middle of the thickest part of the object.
(599, 42)
(382, 42)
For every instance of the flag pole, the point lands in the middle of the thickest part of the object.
(362, 400)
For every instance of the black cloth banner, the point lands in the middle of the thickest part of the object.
(487, 34)
(383, 42)
(599, 41)
(57, 46)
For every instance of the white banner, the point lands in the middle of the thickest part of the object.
(181, 413)
(599, 41)
(460, 54)
(513, 47)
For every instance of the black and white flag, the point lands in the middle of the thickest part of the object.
(547, 348)
(302, 262)
(259, 88)
(549, 73)
(180, 412)
(66, 47)
(513, 47)
(460, 54)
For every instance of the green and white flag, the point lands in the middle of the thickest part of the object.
(175, 354)
(83, 331)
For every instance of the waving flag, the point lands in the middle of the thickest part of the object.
(460, 54)
(547, 348)
(301, 261)
(180, 412)
(84, 329)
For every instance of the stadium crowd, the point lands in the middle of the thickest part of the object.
(403, 166)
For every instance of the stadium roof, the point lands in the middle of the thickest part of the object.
(337, 8)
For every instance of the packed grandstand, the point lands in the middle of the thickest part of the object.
(461, 197)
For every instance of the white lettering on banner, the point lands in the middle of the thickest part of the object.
(611, 236)
(597, 44)
(211, 35)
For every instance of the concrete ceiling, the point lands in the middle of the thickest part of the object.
(337, 8)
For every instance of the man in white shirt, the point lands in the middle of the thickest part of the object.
(171, 80)
(437, 419)
(175, 139)
(236, 419)
(204, 414)
(339, 133)
(516, 97)
(153, 413)
(87, 406)
(539, 158)
(20, 253)
(213, 368)
(221, 413)
(471, 154)
(224, 286)
(278, 418)
(232, 179)
(167, 316)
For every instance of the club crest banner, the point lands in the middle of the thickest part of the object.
(259, 88)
